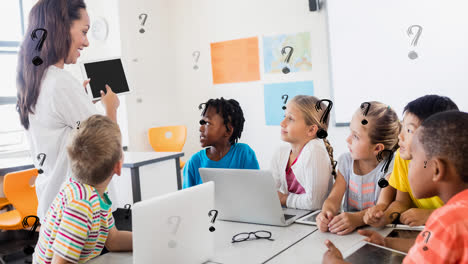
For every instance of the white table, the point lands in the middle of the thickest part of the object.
(312, 248)
(255, 251)
(135, 160)
(293, 244)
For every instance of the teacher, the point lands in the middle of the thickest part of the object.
(51, 102)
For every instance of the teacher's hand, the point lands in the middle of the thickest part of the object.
(109, 99)
(84, 85)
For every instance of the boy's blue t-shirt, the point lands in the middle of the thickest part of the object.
(240, 156)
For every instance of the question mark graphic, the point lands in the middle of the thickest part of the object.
(285, 100)
(196, 54)
(382, 181)
(288, 57)
(41, 157)
(412, 54)
(143, 22)
(425, 164)
(365, 110)
(128, 212)
(77, 124)
(37, 60)
(212, 229)
(425, 248)
(173, 243)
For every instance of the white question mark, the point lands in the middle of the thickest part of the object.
(285, 100)
(173, 243)
(212, 229)
(412, 54)
(143, 22)
(196, 54)
(288, 57)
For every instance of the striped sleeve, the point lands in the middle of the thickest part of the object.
(73, 230)
(110, 220)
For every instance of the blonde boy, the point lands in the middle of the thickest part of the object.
(79, 222)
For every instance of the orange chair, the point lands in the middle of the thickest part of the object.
(168, 139)
(4, 202)
(22, 196)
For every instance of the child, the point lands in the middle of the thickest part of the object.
(439, 162)
(220, 129)
(303, 169)
(361, 169)
(414, 212)
(79, 222)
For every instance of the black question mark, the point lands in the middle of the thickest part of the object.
(382, 181)
(285, 100)
(396, 220)
(77, 124)
(41, 158)
(322, 133)
(128, 211)
(334, 169)
(33, 227)
(286, 70)
(425, 248)
(143, 22)
(212, 229)
(37, 60)
(29, 250)
(425, 164)
(318, 107)
(365, 110)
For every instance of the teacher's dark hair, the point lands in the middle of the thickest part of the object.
(56, 16)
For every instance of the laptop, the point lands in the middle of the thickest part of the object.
(249, 196)
(174, 228)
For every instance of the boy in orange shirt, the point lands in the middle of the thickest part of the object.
(439, 161)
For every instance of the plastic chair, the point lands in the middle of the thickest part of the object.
(4, 202)
(22, 196)
(168, 139)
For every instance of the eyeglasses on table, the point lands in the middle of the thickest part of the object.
(260, 234)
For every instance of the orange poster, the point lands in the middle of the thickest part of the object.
(235, 61)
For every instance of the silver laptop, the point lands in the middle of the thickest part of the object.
(249, 196)
(174, 228)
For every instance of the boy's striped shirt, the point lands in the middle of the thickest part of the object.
(76, 225)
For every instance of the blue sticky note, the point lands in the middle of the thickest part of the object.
(274, 102)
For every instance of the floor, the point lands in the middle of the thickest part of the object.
(12, 243)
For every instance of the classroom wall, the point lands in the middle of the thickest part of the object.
(102, 49)
(167, 91)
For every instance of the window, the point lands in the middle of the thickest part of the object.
(12, 13)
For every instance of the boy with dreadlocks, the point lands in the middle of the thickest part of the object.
(220, 128)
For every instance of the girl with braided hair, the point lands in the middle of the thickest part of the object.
(303, 169)
(364, 170)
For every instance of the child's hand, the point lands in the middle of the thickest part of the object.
(344, 223)
(283, 198)
(323, 219)
(372, 237)
(374, 216)
(333, 255)
(415, 216)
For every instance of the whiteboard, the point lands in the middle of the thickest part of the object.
(370, 45)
